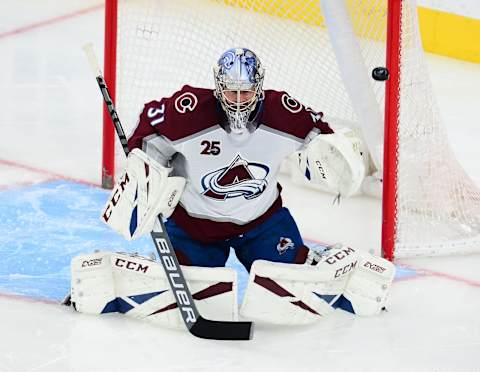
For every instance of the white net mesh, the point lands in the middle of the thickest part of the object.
(164, 44)
(438, 207)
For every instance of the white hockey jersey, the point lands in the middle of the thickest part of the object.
(231, 181)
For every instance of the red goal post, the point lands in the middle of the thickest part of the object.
(110, 66)
(321, 52)
(390, 164)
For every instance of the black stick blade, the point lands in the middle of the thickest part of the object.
(222, 330)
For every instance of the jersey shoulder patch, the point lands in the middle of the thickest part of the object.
(286, 114)
(186, 112)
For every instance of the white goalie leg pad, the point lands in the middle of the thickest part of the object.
(369, 285)
(143, 291)
(143, 192)
(293, 294)
(139, 288)
(92, 283)
(334, 161)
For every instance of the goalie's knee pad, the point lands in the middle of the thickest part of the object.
(369, 285)
(335, 261)
(136, 286)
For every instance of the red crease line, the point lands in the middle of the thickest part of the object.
(50, 21)
(52, 175)
(427, 272)
(28, 299)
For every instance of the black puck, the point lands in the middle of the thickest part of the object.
(380, 73)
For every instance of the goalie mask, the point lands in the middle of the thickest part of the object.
(238, 85)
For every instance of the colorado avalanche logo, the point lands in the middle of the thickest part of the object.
(284, 244)
(240, 178)
(291, 104)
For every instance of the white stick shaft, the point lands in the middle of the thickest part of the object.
(92, 59)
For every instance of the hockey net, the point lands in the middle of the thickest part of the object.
(322, 53)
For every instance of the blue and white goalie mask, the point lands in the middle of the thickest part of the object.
(238, 85)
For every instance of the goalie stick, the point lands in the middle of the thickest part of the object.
(195, 323)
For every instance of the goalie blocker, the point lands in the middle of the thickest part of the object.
(143, 192)
(136, 286)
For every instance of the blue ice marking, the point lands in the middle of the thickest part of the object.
(44, 226)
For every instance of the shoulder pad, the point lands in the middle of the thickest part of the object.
(186, 112)
(284, 113)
